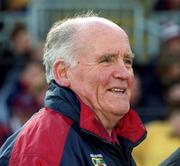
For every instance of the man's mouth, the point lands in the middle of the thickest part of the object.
(117, 90)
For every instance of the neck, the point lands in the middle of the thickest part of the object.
(108, 122)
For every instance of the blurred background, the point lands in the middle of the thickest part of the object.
(153, 27)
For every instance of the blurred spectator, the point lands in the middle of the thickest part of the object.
(169, 5)
(163, 136)
(170, 37)
(28, 93)
(160, 71)
(15, 53)
(168, 61)
(168, 68)
(25, 98)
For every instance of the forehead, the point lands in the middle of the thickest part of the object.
(98, 38)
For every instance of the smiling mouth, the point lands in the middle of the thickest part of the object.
(117, 90)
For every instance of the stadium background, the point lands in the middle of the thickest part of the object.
(153, 27)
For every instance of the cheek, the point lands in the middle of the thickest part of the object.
(104, 77)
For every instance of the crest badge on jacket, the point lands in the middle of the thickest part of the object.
(97, 160)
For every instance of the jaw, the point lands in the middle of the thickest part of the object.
(114, 102)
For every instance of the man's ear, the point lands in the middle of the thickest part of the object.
(60, 73)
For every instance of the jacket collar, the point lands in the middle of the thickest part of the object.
(129, 127)
(64, 101)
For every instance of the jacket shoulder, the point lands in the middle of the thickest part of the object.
(43, 136)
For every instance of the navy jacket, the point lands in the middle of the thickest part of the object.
(65, 132)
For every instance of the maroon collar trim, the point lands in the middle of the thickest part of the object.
(129, 127)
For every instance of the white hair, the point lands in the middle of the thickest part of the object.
(59, 44)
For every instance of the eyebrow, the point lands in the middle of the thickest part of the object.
(115, 55)
(109, 56)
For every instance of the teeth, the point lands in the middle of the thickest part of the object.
(117, 90)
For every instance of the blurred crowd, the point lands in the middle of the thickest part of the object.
(155, 93)
(22, 85)
(18, 5)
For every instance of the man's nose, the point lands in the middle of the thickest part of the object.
(121, 71)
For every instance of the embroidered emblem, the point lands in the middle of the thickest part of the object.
(97, 160)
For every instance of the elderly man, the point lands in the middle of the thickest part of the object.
(87, 120)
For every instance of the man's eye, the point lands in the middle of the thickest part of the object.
(106, 60)
(128, 61)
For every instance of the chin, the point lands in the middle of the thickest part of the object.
(123, 109)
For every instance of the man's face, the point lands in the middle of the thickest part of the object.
(103, 76)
